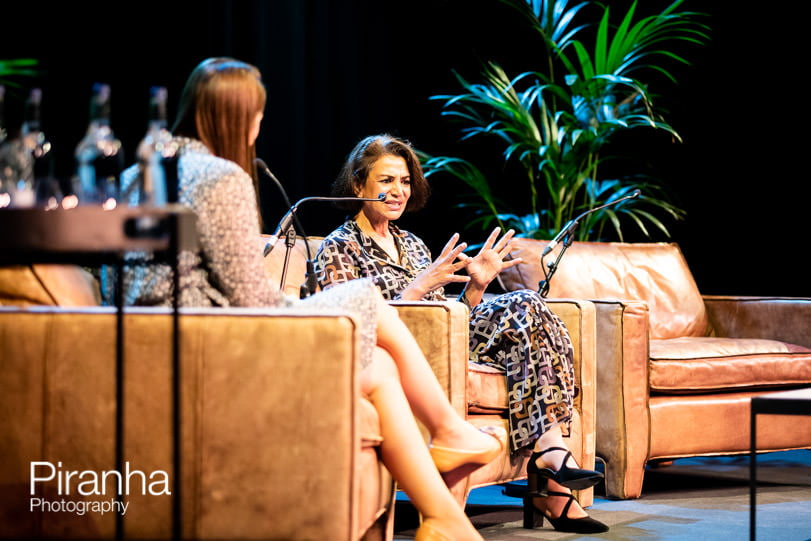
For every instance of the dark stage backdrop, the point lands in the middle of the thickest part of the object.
(339, 70)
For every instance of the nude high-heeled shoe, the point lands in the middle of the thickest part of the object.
(426, 532)
(448, 459)
(456, 464)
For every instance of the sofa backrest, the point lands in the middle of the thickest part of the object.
(71, 285)
(52, 285)
(296, 264)
(655, 273)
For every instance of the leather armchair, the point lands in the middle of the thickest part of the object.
(269, 452)
(441, 329)
(676, 369)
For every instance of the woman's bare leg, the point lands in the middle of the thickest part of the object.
(405, 455)
(428, 400)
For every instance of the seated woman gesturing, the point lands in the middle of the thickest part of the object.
(514, 332)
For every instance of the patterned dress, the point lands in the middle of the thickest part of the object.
(227, 270)
(514, 332)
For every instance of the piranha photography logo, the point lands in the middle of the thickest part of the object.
(89, 491)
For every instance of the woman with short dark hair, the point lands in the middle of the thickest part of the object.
(514, 332)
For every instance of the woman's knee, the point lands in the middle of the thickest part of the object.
(384, 364)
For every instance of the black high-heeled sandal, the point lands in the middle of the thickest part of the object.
(572, 478)
(533, 517)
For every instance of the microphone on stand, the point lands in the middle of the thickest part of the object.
(569, 228)
(565, 236)
(287, 219)
(284, 229)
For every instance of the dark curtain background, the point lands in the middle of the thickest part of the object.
(339, 70)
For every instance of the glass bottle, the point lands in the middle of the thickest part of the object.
(26, 161)
(152, 154)
(99, 155)
(6, 172)
(37, 184)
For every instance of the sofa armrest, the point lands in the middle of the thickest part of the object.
(777, 318)
(261, 389)
(622, 400)
(441, 330)
(579, 317)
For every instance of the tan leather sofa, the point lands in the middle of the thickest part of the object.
(277, 441)
(676, 369)
(441, 329)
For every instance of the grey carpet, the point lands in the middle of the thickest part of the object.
(702, 499)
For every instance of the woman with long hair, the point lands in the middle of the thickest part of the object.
(218, 122)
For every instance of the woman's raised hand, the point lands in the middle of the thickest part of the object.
(441, 271)
(485, 266)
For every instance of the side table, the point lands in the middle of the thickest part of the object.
(795, 402)
(91, 236)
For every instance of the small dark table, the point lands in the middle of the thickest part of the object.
(92, 236)
(796, 402)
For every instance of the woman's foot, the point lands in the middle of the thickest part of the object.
(444, 530)
(569, 476)
(463, 435)
(466, 444)
(456, 455)
(554, 458)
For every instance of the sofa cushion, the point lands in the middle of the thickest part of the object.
(52, 285)
(486, 389)
(655, 273)
(296, 262)
(701, 364)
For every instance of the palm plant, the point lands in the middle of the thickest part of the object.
(557, 130)
(16, 67)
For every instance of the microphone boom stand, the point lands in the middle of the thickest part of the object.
(286, 229)
(289, 242)
(567, 236)
(543, 285)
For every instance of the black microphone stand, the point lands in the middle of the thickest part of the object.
(567, 236)
(543, 285)
(285, 229)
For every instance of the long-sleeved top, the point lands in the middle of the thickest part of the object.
(227, 268)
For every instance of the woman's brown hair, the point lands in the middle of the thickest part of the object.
(361, 160)
(218, 106)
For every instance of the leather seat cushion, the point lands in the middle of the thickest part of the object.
(296, 261)
(486, 389)
(700, 364)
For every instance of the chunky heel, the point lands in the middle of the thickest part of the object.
(532, 517)
(537, 482)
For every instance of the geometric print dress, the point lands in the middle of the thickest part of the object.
(515, 332)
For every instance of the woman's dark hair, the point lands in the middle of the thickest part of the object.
(355, 171)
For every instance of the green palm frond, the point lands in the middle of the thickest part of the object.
(17, 67)
(556, 130)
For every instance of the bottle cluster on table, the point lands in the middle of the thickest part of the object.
(27, 159)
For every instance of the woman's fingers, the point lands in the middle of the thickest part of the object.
(488, 244)
(503, 245)
(449, 246)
